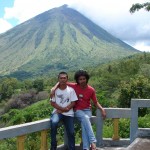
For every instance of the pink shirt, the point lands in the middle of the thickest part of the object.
(84, 96)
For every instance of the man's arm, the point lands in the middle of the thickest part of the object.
(70, 106)
(98, 105)
(101, 109)
(63, 109)
(59, 108)
(53, 89)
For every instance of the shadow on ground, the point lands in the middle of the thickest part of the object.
(137, 144)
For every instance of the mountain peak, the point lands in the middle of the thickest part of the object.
(58, 39)
(64, 6)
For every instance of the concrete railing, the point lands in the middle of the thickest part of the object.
(115, 114)
(21, 130)
(134, 130)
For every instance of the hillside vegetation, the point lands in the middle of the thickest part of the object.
(110, 80)
(115, 83)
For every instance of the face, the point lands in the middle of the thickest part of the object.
(82, 80)
(62, 79)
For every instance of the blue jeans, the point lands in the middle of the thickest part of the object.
(88, 136)
(69, 126)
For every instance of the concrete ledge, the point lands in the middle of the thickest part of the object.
(23, 129)
(118, 112)
(140, 102)
(108, 142)
(143, 132)
(26, 128)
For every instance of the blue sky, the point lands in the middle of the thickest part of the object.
(112, 15)
(3, 4)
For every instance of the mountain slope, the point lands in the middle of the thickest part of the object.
(60, 38)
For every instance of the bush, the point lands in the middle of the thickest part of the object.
(124, 128)
(137, 87)
(25, 99)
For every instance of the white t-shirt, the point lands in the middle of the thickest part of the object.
(63, 98)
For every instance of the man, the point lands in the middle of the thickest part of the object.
(63, 102)
(82, 108)
(85, 94)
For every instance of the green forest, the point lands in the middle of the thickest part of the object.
(116, 82)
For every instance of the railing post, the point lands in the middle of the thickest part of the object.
(20, 142)
(134, 120)
(44, 140)
(116, 129)
(99, 128)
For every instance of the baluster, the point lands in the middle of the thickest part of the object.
(44, 140)
(20, 142)
(116, 129)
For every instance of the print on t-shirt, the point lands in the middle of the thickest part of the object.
(80, 97)
(63, 99)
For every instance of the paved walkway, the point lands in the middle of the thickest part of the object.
(140, 144)
(102, 148)
(111, 148)
(137, 144)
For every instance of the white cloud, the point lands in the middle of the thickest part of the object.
(114, 16)
(4, 25)
(26, 9)
(142, 46)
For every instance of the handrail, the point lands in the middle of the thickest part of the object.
(22, 129)
(114, 113)
(135, 104)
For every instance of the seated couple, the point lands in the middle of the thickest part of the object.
(73, 100)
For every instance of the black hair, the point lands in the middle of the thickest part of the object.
(62, 73)
(80, 73)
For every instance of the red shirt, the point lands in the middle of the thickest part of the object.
(84, 96)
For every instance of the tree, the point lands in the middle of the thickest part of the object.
(138, 6)
(38, 84)
(28, 84)
(8, 86)
(137, 87)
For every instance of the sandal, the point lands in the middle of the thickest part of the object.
(93, 146)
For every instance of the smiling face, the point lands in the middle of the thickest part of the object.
(63, 78)
(82, 81)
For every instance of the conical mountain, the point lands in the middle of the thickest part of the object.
(58, 39)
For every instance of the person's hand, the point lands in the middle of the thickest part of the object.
(59, 111)
(66, 109)
(103, 113)
(52, 93)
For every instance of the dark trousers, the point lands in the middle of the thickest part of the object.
(69, 126)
